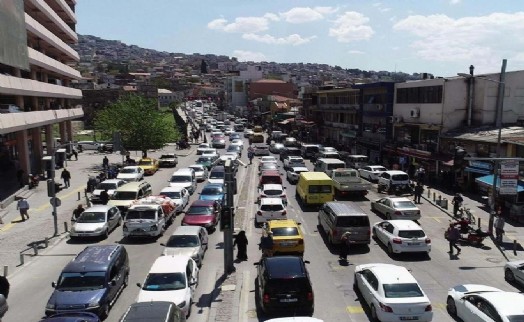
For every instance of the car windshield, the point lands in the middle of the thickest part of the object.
(106, 185)
(171, 194)
(212, 191)
(272, 207)
(319, 189)
(183, 241)
(81, 281)
(411, 233)
(273, 192)
(217, 175)
(140, 214)
(164, 282)
(203, 160)
(124, 195)
(145, 162)
(284, 231)
(269, 166)
(199, 210)
(404, 204)
(167, 156)
(180, 179)
(92, 217)
(129, 170)
(402, 290)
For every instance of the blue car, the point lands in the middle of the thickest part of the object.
(72, 317)
(213, 191)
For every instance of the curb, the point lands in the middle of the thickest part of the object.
(225, 298)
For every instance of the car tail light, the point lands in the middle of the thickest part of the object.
(284, 213)
(397, 213)
(428, 241)
(301, 241)
(385, 308)
(397, 241)
(310, 296)
(428, 308)
(259, 213)
(266, 298)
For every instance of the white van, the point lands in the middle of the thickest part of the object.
(184, 178)
(327, 165)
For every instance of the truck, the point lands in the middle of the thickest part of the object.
(347, 181)
(149, 217)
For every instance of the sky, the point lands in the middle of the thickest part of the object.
(441, 37)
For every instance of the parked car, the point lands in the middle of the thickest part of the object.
(204, 213)
(149, 165)
(293, 173)
(187, 240)
(178, 195)
(401, 236)
(391, 293)
(96, 221)
(201, 172)
(270, 209)
(371, 172)
(514, 272)
(396, 208)
(168, 160)
(131, 173)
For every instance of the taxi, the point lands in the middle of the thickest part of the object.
(149, 165)
(287, 237)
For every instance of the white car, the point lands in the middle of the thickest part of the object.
(371, 172)
(392, 293)
(401, 236)
(173, 279)
(396, 208)
(96, 221)
(267, 159)
(293, 174)
(473, 303)
(203, 147)
(238, 142)
(292, 160)
(131, 173)
(514, 272)
(272, 191)
(178, 195)
(189, 241)
(110, 184)
(248, 132)
(200, 171)
(270, 209)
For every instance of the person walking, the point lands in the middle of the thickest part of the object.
(498, 224)
(419, 190)
(457, 202)
(241, 243)
(66, 176)
(75, 153)
(453, 235)
(77, 212)
(23, 206)
(104, 197)
(266, 244)
(344, 246)
(105, 162)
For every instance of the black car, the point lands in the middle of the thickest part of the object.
(284, 285)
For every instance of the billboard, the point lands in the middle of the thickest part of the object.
(509, 177)
(13, 35)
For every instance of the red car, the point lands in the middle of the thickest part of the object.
(269, 177)
(202, 213)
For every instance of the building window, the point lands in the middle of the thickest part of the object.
(420, 95)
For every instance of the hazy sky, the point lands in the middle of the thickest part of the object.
(441, 37)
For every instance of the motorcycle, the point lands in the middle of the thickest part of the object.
(34, 180)
(470, 235)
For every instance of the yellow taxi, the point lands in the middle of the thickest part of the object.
(287, 237)
(149, 165)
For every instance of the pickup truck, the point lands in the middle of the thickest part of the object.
(149, 217)
(347, 181)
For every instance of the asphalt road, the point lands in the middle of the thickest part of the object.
(332, 280)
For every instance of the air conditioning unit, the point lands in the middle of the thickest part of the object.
(398, 119)
(414, 113)
(380, 107)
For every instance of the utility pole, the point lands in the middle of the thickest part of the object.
(226, 222)
(51, 192)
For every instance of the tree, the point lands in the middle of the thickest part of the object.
(141, 126)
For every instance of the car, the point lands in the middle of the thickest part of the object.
(205, 213)
(214, 192)
(202, 147)
(234, 136)
(178, 195)
(287, 151)
(260, 149)
(235, 148)
(206, 161)
(237, 142)
(396, 208)
(228, 131)
(265, 160)
(168, 160)
(514, 272)
(269, 176)
(394, 181)
(171, 277)
(187, 240)
(270, 209)
(371, 172)
(149, 165)
(272, 191)
(110, 184)
(289, 141)
(131, 173)
(217, 175)
(248, 133)
(96, 221)
(391, 293)
(287, 237)
(293, 173)
(88, 145)
(218, 143)
(475, 302)
(276, 147)
(283, 284)
(201, 172)
(293, 161)
(401, 236)
(208, 151)
(71, 317)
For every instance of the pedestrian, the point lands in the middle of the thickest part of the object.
(66, 176)
(452, 235)
(23, 206)
(105, 162)
(344, 246)
(457, 202)
(104, 197)
(75, 153)
(419, 190)
(498, 224)
(241, 243)
(4, 286)
(20, 177)
(420, 174)
(77, 212)
(266, 244)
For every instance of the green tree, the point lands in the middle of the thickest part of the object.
(142, 127)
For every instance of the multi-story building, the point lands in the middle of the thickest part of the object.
(35, 75)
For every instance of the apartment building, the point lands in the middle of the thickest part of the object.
(35, 76)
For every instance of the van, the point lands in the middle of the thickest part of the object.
(184, 178)
(327, 165)
(357, 161)
(91, 282)
(314, 188)
(124, 196)
(155, 311)
(337, 218)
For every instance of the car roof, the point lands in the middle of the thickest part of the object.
(404, 224)
(285, 267)
(98, 208)
(271, 201)
(172, 189)
(397, 199)
(169, 264)
(196, 166)
(300, 168)
(272, 186)
(376, 166)
(395, 172)
(220, 168)
(214, 185)
(200, 203)
(186, 230)
(112, 181)
(148, 311)
(390, 274)
(270, 173)
(507, 303)
(93, 258)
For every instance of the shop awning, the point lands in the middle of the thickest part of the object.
(478, 170)
(488, 181)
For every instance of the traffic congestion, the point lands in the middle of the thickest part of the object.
(318, 234)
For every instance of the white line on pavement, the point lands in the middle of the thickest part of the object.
(242, 310)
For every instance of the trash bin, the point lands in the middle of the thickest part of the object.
(444, 203)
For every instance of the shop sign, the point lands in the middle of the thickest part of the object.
(509, 177)
(480, 165)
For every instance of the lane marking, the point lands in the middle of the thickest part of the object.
(8, 226)
(355, 309)
(244, 295)
(62, 197)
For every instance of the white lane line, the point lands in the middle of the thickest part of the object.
(244, 295)
(249, 211)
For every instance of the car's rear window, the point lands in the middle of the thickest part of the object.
(273, 192)
(334, 166)
(402, 290)
(411, 233)
(199, 210)
(272, 207)
(292, 283)
(319, 189)
(404, 204)
(284, 231)
(353, 221)
(400, 177)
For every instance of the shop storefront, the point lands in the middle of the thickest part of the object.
(512, 204)
(474, 170)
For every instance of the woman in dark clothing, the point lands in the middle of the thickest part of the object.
(241, 243)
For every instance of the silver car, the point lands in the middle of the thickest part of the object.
(396, 208)
(200, 171)
(187, 240)
(96, 221)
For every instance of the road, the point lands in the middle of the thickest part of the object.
(332, 281)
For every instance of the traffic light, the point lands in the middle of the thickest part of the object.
(226, 219)
(50, 188)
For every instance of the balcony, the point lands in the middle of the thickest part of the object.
(55, 23)
(13, 122)
(10, 85)
(38, 59)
